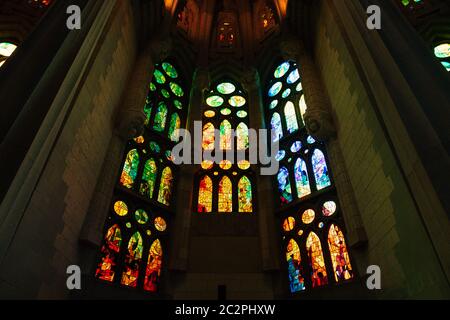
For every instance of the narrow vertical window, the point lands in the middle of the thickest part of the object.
(245, 195)
(130, 169)
(205, 195)
(148, 179)
(316, 261)
(225, 195)
(154, 265)
(165, 187)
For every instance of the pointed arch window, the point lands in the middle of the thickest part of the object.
(226, 186)
(132, 251)
(309, 211)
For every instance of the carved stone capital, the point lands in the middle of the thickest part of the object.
(160, 49)
(290, 48)
(250, 79)
(319, 123)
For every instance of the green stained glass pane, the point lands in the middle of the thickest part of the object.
(165, 187)
(446, 65)
(165, 93)
(147, 112)
(237, 101)
(226, 88)
(154, 147)
(170, 70)
(215, 101)
(225, 111)
(149, 177)
(159, 77)
(293, 77)
(241, 114)
(160, 118)
(273, 104)
(245, 195)
(299, 87)
(152, 86)
(141, 216)
(178, 104)
(175, 124)
(281, 70)
(286, 93)
(130, 169)
(275, 89)
(176, 89)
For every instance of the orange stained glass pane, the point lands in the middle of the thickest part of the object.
(154, 264)
(225, 195)
(208, 136)
(339, 255)
(316, 261)
(205, 195)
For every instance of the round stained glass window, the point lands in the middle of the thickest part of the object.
(244, 164)
(139, 140)
(225, 111)
(241, 114)
(226, 88)
(209, 114)
(159, 77)
(170, 70)
(149, 233)
(300, 233)
(273, 104)
(289, 224)
(329, 208)
(310, 140)
(296, 146)
(215, 101)
(207, 164)
(237, 101)
(225, 164)
(141, 216)
(286, 93)
(442, 51)
(7, 49)
(120, 208)
(165, 93)
(308, 216)
(178, 104)
(176, 89)
(281, 70)
(275, 89)
(152, 86)
(280, 155)
(160, 224)
(293, 77)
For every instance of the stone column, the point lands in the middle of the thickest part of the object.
(320, 125)
(265, 207)
(185, 185)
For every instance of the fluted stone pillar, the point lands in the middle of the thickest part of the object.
(185, 186)
(263, 184)
(319, 123)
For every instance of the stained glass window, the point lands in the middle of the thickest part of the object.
(130, 168)
(291, 117)
(218, 183)
(225, 195)
(165, 188)
(245, 195)
(154, 265)
(6, 50)
(205, 195)
(131, 254)
(295, 271)
(339, 255)
(149, 178)
(320, 170)
(309, 212)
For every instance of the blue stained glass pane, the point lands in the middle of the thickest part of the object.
(310, 140)
(320, 170)
(280, 155)
(301, 178)
(277, 129)
(284, 186)
(275, 89)
(293, 77)
(281, 70)
(296, 146)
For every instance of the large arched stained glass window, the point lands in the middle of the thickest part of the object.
(132, 251)
(309, 210)
(225, 186)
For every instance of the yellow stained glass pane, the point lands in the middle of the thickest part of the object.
(225, 195)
